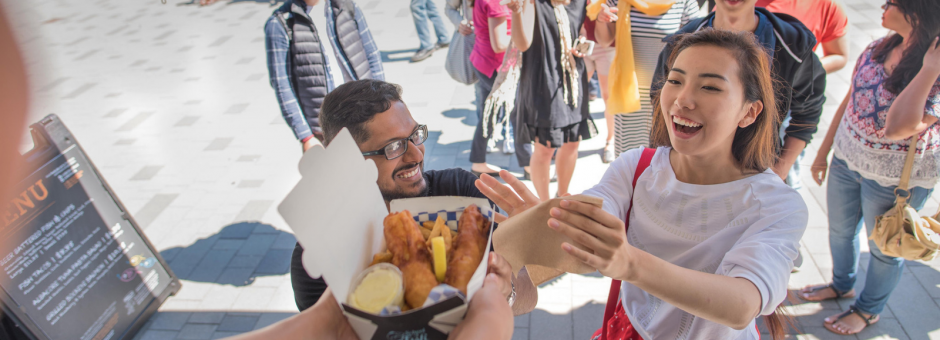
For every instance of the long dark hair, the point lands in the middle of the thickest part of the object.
(924, 18)
(753, 146)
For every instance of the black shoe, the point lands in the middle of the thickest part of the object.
(441, 45)
(422, 54)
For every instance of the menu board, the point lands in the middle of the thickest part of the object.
(74, 264)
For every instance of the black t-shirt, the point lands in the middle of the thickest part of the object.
(449, 182)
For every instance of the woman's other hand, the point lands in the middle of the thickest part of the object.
(608, 14)
(488, 316)
(465, 29)
(513, 198)
(597, 230)
(820, 167)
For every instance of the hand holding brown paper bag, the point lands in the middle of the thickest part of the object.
(526, 240)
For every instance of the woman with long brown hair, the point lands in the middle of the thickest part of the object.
(700, 232)
(895, 95)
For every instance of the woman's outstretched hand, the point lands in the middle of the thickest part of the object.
(513, 198)
(598, 231)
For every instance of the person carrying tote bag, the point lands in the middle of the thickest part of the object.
(458, 64)
(901, 232)
(888, 117)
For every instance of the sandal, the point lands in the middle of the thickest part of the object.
(870, 320)
(839, 294)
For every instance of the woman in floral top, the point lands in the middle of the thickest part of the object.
(895, 95)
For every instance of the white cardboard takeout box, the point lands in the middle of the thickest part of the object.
(336, 212)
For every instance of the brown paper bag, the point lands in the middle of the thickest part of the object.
(526, 240)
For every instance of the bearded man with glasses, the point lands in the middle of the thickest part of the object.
(382, 125)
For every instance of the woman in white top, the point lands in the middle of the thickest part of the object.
(712, 231)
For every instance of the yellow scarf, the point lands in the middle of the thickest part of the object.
(622, 84)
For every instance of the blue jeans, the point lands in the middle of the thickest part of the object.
(793, 177)
(853, 200)
(421, 11)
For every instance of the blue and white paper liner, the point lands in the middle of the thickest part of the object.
(451, 216)
(440, 293)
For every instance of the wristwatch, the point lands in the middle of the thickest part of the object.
(512, 295)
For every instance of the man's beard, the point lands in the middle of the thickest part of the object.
(397, 193)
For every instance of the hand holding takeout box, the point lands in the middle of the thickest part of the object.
(337, 214)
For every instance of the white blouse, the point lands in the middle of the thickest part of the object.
(749, 228)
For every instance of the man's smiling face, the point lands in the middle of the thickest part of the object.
(402, 177)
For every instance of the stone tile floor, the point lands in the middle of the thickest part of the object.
(172, 103)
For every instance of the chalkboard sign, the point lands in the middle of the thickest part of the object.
(73, 262)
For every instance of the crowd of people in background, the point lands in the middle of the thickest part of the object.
(641, 57)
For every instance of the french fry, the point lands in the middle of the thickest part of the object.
(384, 257)
(425, 233)
(448, 239)
(437, 230)
(429, 225)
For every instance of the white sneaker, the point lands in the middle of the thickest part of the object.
(509, 147)
(609, 154)
(491, 146)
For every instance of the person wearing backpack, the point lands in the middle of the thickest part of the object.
(312, 47)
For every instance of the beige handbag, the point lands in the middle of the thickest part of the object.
(901, 231)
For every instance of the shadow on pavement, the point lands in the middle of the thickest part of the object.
(466, 116)
(235, 255)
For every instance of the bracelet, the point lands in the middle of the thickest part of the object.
(512, 295)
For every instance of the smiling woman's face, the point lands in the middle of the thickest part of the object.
(703, 101)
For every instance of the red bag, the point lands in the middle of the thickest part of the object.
(616, 325)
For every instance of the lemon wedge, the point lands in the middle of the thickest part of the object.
(440, 257)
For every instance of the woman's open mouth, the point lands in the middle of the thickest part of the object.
(684, 127)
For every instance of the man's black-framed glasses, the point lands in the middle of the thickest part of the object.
(889, 3)
(397, 148)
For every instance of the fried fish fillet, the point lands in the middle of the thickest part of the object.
(468, 249)
(410, 254)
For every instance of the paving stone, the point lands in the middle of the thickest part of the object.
(268, 319)
(236, 276)
(78, 91)
(545, 325)
(131, 124)
(228, 244)
(153, 208)
(186, 121)
(169, 320)
(196, 332)
(257, 244)
(146, 173)
(587, 319)
(253, 210)
(284, 241)
(239, 230)
(206, 317)
(158, 335)
(250, 183)
(222, 335)
(520, 334)
(236, 323)
(219, 144)
(245, 261)
(275, 262)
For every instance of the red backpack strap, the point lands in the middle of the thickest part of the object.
(614, 296)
